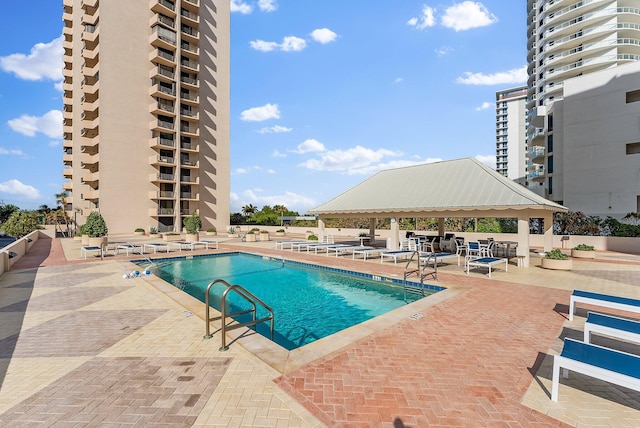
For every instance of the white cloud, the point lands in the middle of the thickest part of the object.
(267, 5)
(261, 45)
(349, 161)
(293, 43)
(16, 188)
(271, 171)
(277, 154)
(425, 20)
(309, 146)
(323, 35)
(372, 169)
(467, 15)
(43, 62)
(518, 75)
(14, 152)
(50, 124)
(398, 80)
(258, 114)
(240, 6)
(275, 130)
(485, 105)
(489, 160)
(290, 200)
(54, 143)
(247, 170)
(444, 50)
(289, 44)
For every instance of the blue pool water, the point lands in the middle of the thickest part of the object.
(309, 302)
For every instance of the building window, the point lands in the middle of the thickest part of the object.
(550, 143)
(550, 122)
(551, 185)
(633, 96)
(550, 164)
(633, 148)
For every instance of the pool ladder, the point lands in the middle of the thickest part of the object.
(246, 295)
(420, 272)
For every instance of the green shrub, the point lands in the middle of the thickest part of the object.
(584, 247)
(280, 230)
(211, 229)
(153, 230)
(192, 223)
(231, 230)
(95, 226)
(21, 223)
(312, 238)
(251, 232)
(556, 254)
(139, 229)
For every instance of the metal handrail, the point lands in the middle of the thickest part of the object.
(420, 272)
(246, 295)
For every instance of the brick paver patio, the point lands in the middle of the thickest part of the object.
(81, 346)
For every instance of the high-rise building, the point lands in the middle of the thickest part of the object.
(566, 39)
(146, 111)
(511, 133)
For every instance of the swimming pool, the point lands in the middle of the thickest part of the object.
(309, 302)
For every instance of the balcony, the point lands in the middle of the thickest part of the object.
(67, 185)
(538, 116)
(190, 50)
(159, 91)
(164, 125)
(162, 194)
(67, 173)
(162, 177)
(89, 132)
(162, 74)
(162, 142)
(189, 98)
(188, 195)
(91, 195)
(163, 20)
(189, 34)
(189, 17)
(91, 55)
(91, 16)
(537, 174)
(536, 154)
(162, 108)
(157, 160)
(187, 163)
(536, 138)
(89, 3)
(192, 147)
(158, 56)
(187, 63)
(91, 178)
(88, 160)
(162, 38)
(191, 4)
(188, 179)
(90, 144)
(165, 7)
(189, 81)
(189, 130)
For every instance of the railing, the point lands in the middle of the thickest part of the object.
(165, 211)
(248, 297)
(167, 4)
(167, 21)
(166, 55)
(165, 124)
(419, 273)
(166, 142)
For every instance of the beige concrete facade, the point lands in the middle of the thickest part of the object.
(511, 133)
(146, 112)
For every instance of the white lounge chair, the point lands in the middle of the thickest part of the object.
(133, 248)
(343, 249)
(328, 248)
(366, 251)
(620, 328)
(90, 249)
(206, 244)
(155, 247)
(439, 257)
(604, 300)
(395, 255)
(182, 245)
(283, 245)
(487, 262)
(598, 362)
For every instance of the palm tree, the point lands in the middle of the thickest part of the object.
(60, 214)
(249, 210)
(281, 209)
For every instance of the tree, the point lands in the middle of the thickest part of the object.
(95, 226)
(249, 210)
(21, 223)
(6, 211)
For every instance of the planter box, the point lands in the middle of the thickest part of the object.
(250, 237)
(85, 239)
(138, 233)
(232, 235)
(192, 237)
(211, 233)
(97, 242)
(580, 254)
(557, 264)
(154, 235)
(279, 234)
(264, 236)
(170, 238)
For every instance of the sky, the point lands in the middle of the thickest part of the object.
(324, 93)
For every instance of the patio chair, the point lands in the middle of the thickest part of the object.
(620, 328)
(603, 300)
(598, 362)
(473, 249)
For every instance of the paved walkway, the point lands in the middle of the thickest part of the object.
(81, 346)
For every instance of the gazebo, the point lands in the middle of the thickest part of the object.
(455, 188)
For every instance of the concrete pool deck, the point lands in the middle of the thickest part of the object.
(81, 346)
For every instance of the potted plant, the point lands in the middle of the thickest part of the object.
(96, 228)
(171, 236)
(556, 259)
(312, 237)
(250, 236)
(138, 231)
(192, 225)
(232, 232)
(280, 232)
(583, 251)
(211, 231)
(153, 232)
(264, 235)
(307, 234)
(84, 236)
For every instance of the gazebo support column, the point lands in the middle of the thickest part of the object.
(394, 242)
(441, 226)
(372, 229)
(320, 229)
(522, 251)
(548, 231)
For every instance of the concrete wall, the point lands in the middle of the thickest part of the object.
(20, 248)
